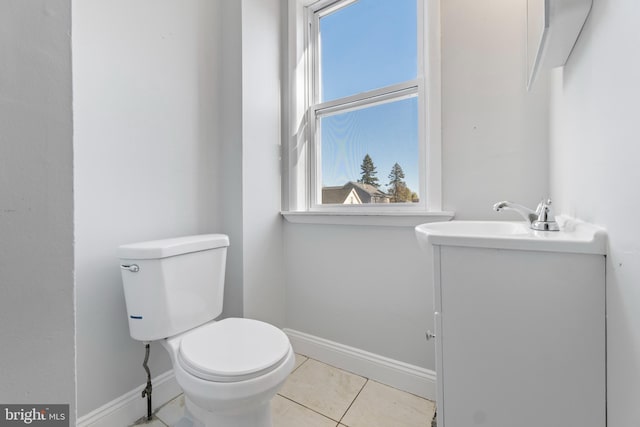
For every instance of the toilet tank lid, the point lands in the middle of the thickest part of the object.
(170, 247)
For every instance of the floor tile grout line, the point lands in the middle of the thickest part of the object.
(354, 400)
(303, 362)
(143, 421)
(335, 367)
(366, 380)
(158, 409)
(306, 407)
(155, 416)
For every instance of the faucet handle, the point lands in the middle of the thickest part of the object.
(544, 204)
(546, 219)
(545, 211)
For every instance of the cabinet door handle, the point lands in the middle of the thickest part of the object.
(430, 335)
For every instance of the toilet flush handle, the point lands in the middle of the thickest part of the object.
(132, 268)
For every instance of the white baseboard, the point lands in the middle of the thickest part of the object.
(403, 376)
(130, 407)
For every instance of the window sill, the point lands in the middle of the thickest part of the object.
(393, 219)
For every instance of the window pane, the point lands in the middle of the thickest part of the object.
(367, 45)
(370, 145)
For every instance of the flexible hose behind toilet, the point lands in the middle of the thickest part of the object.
(147, 391)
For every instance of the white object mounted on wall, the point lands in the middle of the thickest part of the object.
(553, 27)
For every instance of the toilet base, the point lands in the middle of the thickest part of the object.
(245, 403)
(198, 417)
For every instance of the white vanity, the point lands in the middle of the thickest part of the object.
(519, 323)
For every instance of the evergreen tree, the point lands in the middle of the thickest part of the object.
(398, 189)
(368, 172)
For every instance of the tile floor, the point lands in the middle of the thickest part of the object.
(319, 395)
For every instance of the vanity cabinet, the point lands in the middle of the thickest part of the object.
(520, 335)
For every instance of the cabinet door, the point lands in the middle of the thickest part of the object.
(523, 339)
(439, 370)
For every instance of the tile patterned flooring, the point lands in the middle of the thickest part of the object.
(320, 395)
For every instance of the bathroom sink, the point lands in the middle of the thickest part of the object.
(574, 236)
(478, 228)
(515, 306)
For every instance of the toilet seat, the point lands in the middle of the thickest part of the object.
(233, 350)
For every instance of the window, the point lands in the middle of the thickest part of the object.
(364, 111)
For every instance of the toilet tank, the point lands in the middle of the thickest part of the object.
(173, 285)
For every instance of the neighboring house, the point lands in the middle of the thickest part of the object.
(340, 196)
(354, 193)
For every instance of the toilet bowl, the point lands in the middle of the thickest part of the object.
(229, 369)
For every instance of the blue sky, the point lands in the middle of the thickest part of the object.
(368, 45)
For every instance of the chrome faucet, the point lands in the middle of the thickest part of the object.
(542, 219)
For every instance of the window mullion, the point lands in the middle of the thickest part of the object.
(313, 77)
(326, 7)
(368, 99)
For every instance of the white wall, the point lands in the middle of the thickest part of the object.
(595, 176)
(176, 120)
(371, 287)
(262, 56)
(250, 146)
(230, 102)
(366, 287)
(494, 132)
(36, 204)
(177, 132)
(147, 162)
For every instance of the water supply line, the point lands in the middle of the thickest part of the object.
(147, 391)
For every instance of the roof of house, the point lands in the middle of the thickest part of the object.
(336, 195)
(370, 189)
(364, 192)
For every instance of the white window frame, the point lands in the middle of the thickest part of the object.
(300, 156)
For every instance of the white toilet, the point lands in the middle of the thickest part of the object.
(230, 369)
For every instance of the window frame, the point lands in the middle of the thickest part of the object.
(301, 156)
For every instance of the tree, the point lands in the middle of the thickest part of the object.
(368, 172)
(398, 189)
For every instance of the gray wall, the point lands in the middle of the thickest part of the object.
(249, 107)
(263, 284)
(167, 124)
(177, 132)
(230, 141)
(595, 176)
(36, 204)
(147, 162)
(371, 287)
(494, 132)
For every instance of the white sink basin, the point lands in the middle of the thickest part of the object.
(574, 236)
(478, 228)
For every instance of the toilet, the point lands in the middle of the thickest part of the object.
(229, 369)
